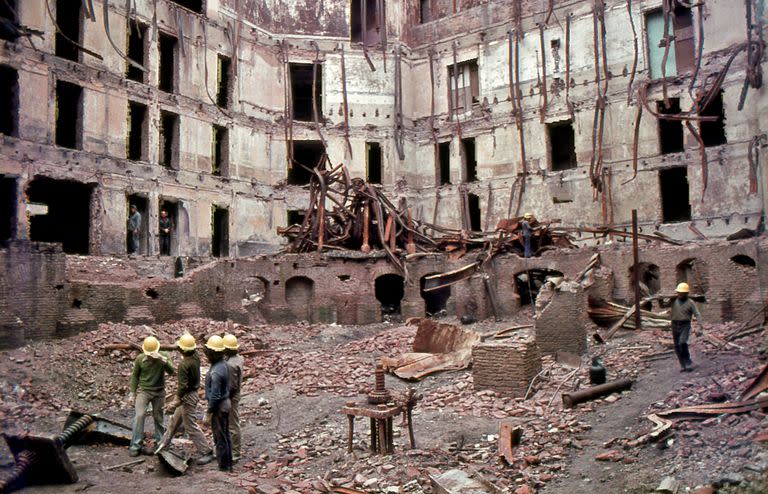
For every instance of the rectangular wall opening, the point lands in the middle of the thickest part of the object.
(295, 216)
(223, 78)
(713, 133)
(373, 162)
(474, 212)
(137, 50)
(136, 144)
(562, 145)
(675, 204)
(307, 153)
(670, 131)
(8, 9)
(301, 90)
(9, 99)
(61, 213)
(68, 16)
(469, 159)
(169, 138)
(219, 231)
(444, 163)
(369, 10)
(220, 151)
(464, 89)
(171, 208)
(193, 5)
(167, 45)
(425, 11)
(69, 115)
(142, 206)
(8, 201)
(681, 54)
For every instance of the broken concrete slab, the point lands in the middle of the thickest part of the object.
(459, 482)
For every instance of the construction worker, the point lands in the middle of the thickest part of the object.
(527, 230)
(217, 394)
(134, 229)
(683, 309)
(235, 364)
(185, 402)
(148, 387)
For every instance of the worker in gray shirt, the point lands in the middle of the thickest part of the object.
(134, 230)
(683, 309)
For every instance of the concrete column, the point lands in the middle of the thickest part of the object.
(153, 230)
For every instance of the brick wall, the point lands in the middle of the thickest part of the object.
(562, 324)
(506, 366)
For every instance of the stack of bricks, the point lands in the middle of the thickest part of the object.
(561, 326)
(506, 366)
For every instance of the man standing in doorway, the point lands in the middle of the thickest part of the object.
(683, 309)
(527, 230)
(165, 233)
(134, 229)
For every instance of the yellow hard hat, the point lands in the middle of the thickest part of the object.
(215, 343)
(683, 288)
(186, 342)
(150, 346)
(528, 215)
(230, 342)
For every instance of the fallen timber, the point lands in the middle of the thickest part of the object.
(570, 400)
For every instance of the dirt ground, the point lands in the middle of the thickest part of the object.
(295, 437)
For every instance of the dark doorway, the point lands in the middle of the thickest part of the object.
(9, 99)
(435, 301)
(528, 283)
(675, 205)
(220, 151)
(171, 207)
(169, 138)
(167, 45)
(137, 50)
(562, 145)
(389, 290)
(69, 105)
(474, 213)
(444, 163)
(469, 159)
(295, 216)
(367, 9)
(299, 294)
(220, 231)
(68, 16)
(649, 277)
(670, 131)
(223, 77)
(8, 201)
(301, 90)
(137, 132)
(63, 215)
(373, 161)
(141, 204)
(309, 154)
(713, 133)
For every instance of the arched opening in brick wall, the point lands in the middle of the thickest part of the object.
(435, 301)
(257, 290)
(389, 290)
(529, 282)
(744, 261)
(649, 276)
(299, 292)
(694, 272)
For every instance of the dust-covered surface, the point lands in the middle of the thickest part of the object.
(295, 437)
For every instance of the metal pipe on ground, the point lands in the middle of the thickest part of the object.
(570, 400)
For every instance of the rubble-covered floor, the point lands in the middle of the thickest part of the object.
(295, 437)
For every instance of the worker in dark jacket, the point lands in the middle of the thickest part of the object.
(683, 310)
(235, 365)
(148, 386)
(185, 402)
(217, 394)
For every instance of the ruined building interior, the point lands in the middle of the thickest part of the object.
(477, 196)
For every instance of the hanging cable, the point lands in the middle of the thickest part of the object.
(70, 40)
(315, 111)
(345, 101)
(636, 53)
(109, 37)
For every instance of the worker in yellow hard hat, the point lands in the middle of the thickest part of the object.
(683, 310)
(148, 387)
(235, 364)
(217, 395)
(184, 404)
